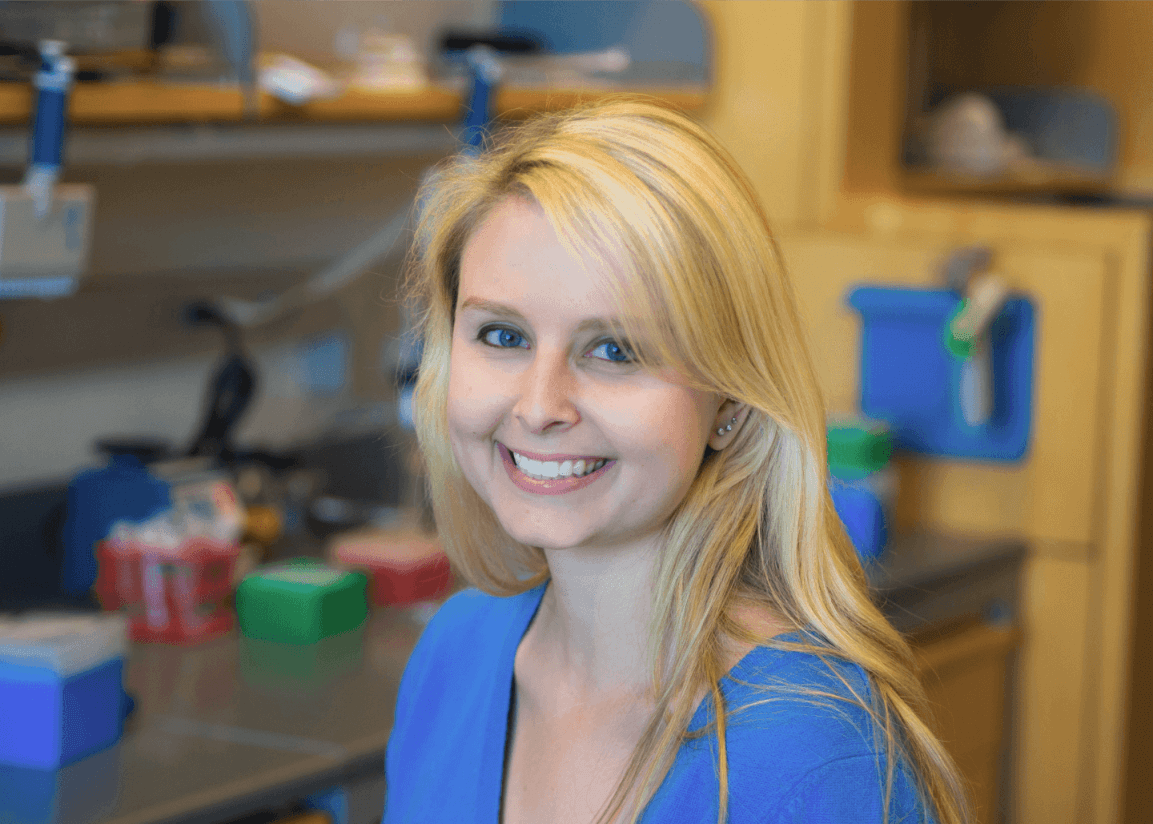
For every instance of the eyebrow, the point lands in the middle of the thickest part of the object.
(504, 311)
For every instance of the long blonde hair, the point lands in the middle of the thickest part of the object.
(650, 198)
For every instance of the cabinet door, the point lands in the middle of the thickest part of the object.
(1074, 496)
(966, 672)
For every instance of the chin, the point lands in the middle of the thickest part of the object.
(544, 535)
(542, 540)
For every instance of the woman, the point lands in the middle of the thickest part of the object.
(626, 452)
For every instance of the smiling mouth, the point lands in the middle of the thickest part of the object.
(555, 470)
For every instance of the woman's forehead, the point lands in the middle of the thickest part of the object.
(516, 255)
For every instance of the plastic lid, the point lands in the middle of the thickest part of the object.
(65, 643)
(300, 574)
(858, 447)
(386, 549)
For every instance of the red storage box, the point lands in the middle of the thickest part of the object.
(402, 567)
(177, 596)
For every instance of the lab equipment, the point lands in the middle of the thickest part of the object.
(300, 602)
(862, 482)
(910, 380)
(53, 83)
(123, 490)
(174, 588)
(45, 229)
(967, 338)
(61, 687)
(231, 390)
(403, 567)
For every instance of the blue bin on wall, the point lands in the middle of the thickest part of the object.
(911, 381)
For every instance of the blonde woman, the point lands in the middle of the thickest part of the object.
(626, 450)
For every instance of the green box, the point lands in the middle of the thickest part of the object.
(300, 603)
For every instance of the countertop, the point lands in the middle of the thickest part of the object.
(231, 726)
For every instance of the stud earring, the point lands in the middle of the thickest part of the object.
(728, 427)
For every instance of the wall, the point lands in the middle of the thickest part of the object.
(117, 359)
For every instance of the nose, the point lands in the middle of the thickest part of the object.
(545, 403)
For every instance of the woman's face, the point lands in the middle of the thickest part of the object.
(570, 442)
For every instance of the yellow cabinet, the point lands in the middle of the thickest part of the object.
(1073, 496)
(967, 672)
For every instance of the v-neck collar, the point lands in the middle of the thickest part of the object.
(502, 698)
(500, 718)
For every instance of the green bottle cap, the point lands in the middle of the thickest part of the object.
(858, 447)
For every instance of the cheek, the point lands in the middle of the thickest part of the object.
(473, 397)
(686, 430)
(670, 427)
(461, 392)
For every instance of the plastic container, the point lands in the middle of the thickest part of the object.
(862, 483)
(300, 602)
(121, 491)
(61, 687)
(402, 567)
(174, 595)
(912, 382)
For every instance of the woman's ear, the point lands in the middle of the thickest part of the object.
(727, 423)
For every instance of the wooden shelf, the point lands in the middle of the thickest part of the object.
(1038, 181)
(147, 102)
(137, 102)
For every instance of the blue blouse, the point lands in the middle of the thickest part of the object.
(795, 758)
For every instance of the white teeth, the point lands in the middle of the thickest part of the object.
(550, 470)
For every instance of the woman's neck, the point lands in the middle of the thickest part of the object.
(592, 627)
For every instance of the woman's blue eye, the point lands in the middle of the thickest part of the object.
(502, 337)
(612, 351)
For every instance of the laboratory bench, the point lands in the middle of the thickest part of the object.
(233, 727)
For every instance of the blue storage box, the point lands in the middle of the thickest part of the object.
(61, 687)
(911, 381)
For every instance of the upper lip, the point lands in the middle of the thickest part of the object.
(538, 456)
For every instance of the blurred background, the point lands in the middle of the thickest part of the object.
(205, 366)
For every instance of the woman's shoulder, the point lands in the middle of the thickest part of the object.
(801, 745)
(803, 713)
(807, 699)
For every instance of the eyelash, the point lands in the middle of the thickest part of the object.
(487, 331)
